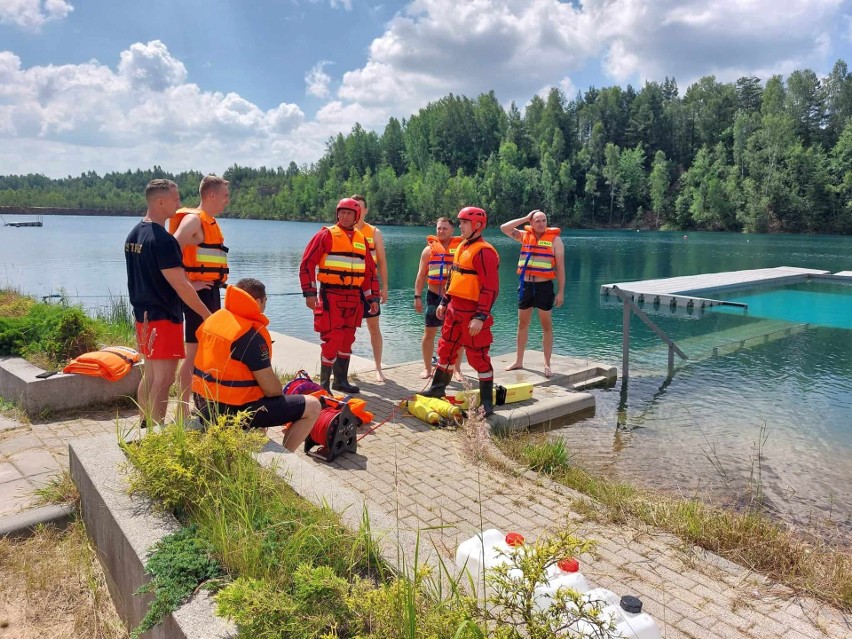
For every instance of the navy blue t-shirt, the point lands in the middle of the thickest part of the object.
(148, 250)
(251, 350)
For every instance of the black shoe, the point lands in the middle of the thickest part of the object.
(341, 377)
(486, 396)
(439, 383)
(325, 377)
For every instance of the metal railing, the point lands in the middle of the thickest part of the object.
(630, 307)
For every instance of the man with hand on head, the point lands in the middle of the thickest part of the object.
(542, 260)
(205, 260)
(157, 285)
(338, 258)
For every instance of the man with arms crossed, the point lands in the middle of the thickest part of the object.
(205, 260)
(542, 260)
(436, 260)
(157, 285)
(233, 368)
(376, 244)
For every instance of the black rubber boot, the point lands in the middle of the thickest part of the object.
(325, 377)
(486, 396)
(439, 383)
(341, 377)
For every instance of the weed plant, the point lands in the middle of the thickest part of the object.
(50, 334)
(748, 537)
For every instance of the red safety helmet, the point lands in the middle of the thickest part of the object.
(474, 214)
(352, 205)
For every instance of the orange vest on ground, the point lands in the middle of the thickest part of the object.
(464, 282)
(217, 376)
(369, 233)
(441, 259)
(112, 363)
(344, 265)
(208, 261)
(537, 256)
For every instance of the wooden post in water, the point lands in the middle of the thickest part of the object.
(625, 340)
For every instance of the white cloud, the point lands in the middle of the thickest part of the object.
(143, 113)
(336, 4)
(32, 14)
(317, 80)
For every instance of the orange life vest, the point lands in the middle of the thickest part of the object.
(343, 266)
(207, 261)
(112, 363)
(464, 282)
(369, 233)
(537, 256)
(441, 259)
(218, 376)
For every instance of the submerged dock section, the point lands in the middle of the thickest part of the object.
(686, 291)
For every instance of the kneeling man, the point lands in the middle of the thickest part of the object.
(233, 367)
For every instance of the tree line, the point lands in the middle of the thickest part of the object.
(773, 156)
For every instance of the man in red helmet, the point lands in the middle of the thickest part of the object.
(338, 258)
(466, 306)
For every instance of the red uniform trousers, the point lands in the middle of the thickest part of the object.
(337, 314)
(455, 335)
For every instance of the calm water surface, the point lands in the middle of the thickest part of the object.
(777, 416)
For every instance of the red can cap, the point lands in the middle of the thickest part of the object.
(568, 565)
(514, 539)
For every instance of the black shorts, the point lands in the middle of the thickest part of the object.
(538, 295)
(267, 412)
(211, 298)
(367, 312)
(432, 302)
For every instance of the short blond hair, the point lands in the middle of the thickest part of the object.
(210, 182)
(157, 187)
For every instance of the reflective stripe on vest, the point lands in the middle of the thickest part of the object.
(537, 256)
(369, 233)
(343, 266)
(464, 281)
(441, 259)
(207, 261)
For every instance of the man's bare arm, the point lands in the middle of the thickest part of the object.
(189, 233)
(268, 382)
(183, 287)
(510, 228)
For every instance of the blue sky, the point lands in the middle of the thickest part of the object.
(114, 84)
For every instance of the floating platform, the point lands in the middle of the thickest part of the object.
(685, 291)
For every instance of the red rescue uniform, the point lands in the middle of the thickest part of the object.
(346, 268)
(472, 291)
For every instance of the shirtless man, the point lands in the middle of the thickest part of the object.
(542, 260)
(376, 244)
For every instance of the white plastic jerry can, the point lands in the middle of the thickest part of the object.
(491, 548)
(625, 613)
(564, 574)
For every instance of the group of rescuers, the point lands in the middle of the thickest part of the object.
(175, 276)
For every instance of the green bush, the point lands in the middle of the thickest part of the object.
(56, 332)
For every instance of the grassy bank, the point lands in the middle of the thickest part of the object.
(748, 538)
(286, 568)
(49, 334)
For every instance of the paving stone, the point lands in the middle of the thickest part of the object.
(34, 462)
(15, 495)
(17, 443)
(9, 473)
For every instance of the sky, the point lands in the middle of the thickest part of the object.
(111, 85)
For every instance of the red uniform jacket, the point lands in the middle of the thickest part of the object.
(319, 245)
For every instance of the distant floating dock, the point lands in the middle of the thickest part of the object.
(685, 291)
(36, 222)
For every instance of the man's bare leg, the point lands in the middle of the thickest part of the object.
(546, 319)
(299, 430)
(162, 377)
(459, 376)
(524, 317)
(378, 344)
(427, 346)
(185, 380)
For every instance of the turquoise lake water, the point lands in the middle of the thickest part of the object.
(778, 413)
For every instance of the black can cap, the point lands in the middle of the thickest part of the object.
(629, 603)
